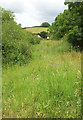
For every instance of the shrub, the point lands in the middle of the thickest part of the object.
(32, 38)
(15, 48)
(43, 34)
(74, 36)
(16, 43)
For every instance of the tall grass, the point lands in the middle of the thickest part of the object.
(48, 87)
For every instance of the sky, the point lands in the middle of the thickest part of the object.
(34, 12)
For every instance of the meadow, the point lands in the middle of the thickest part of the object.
(49, 86)
(36, 29)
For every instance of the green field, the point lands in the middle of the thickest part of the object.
(48, 87)
(36, 29)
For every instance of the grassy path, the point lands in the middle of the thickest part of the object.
(49, 86)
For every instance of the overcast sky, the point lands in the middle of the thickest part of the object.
(34, 12)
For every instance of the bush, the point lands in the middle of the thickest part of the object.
(32, 38)
(74, 36)
(43, 34)
(15, 47)
(16, 43)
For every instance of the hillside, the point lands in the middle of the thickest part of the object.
(36, 29)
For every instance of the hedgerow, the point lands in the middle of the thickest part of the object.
(16, 43)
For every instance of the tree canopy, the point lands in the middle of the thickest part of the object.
(69, 23)
(45, 24)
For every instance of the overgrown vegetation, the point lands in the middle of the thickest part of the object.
(69, 23)
(48, 87)
(16, 43)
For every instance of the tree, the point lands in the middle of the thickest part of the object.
(7, 15)
(69, 23)
(45, 24)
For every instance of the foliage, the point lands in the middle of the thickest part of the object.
(33, 39)
(74, 36)
(16, 43)
(68, 23)
(43, 34)
(7, 15)
(45, 24)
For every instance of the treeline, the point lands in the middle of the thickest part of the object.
(69, 24)
(16, 42)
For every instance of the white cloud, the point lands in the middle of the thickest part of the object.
(13, 5)
(34, 12)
